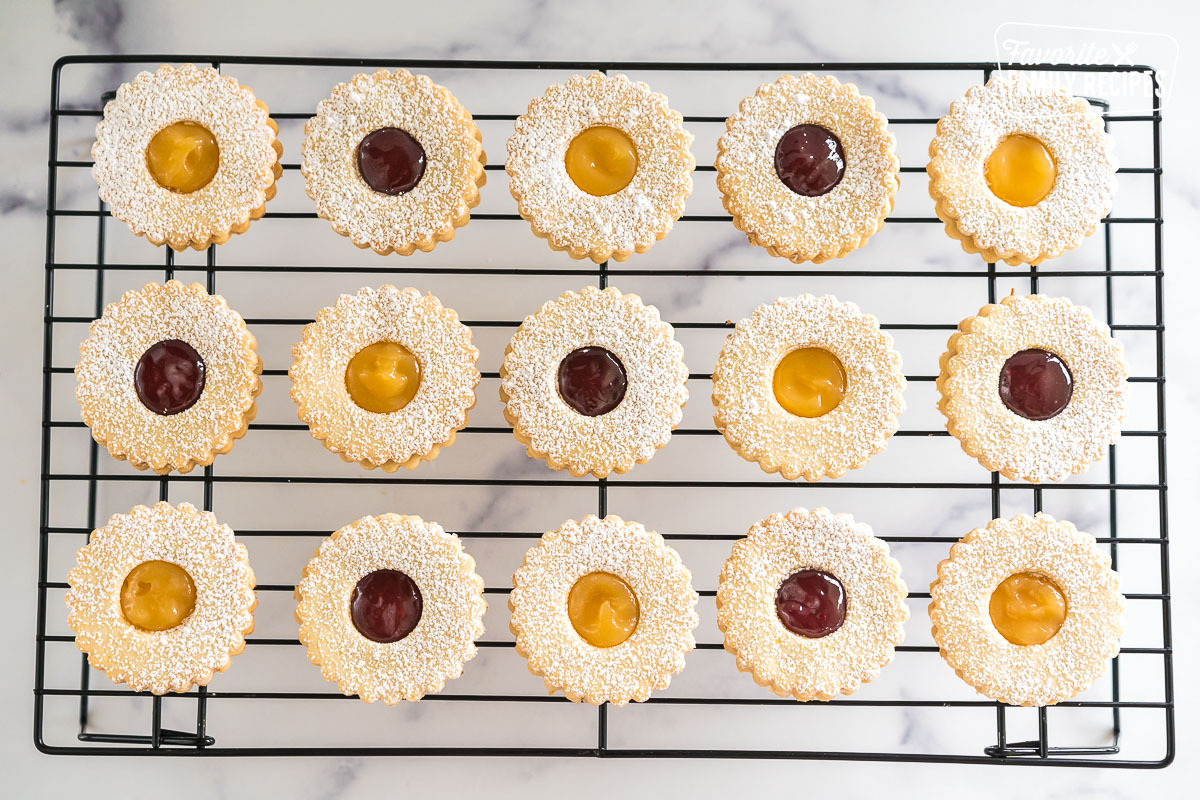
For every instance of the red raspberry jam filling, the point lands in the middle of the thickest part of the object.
(385, 606)
(811, 603)
(391, 161)
(1035, 384)
(810, 160)
(592, 381)
(169, 377)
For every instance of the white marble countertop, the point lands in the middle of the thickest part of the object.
(34, 34)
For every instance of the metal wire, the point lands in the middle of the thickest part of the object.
(200, 741)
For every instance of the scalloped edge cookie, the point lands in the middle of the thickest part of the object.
(192, 652)
(451, 616)
(245, 133)
(1082, 151)
(605, 227)
(442, 200)
(633, 431)
(789, 225)
(787, 663)
(431, 420)
(108, 400)
(546, 638)
(759, 429)
(1005, 442)
(1027, 675)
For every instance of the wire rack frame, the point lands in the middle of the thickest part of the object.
(163, 741)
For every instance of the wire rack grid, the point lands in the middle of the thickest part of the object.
(71, 713)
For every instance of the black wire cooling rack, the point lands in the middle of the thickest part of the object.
(69, 715)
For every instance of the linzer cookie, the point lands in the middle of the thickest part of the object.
(390, 608)
(593, 382)
(600, 166)
(385, 377)
(603, 610)
(167, 377)
(1027, 610)
(808, 387)
(186, 156)
(1034, 387)
(811, 604)
(808, 168)
(393, 161)
(1021, 172)
(161, 598)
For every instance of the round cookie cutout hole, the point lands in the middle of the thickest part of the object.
(1035, 384)
(601, 160)
(385, 605)
(811, 603)
(383, 377)
(169, 377)
(157, 596)
(1020, 171)
(1027, 608)
(183, 157)
(810, 160)
(592, 381)
(391, 161)
(603, 609)
(809, 382)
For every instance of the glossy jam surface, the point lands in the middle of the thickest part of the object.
(183, 157)
(601, 160)
(1036, 384)
(157, 595)
(809, 382)
(1021, 171)
(811, 602)
(383, 377)
(592, 381)
(603, 609)
(1027, 608)
(810, 160)
(169, 377)
(385, 605)
(391, 161)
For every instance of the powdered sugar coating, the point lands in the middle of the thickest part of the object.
(654, 397)
(203, 644)
(544, 634)
(789, 224)
(761, 430)
(611, 226)
(452, 608)
(1027, 675)
(1083, 156)
(790, 664)
(454, 159)
(108, 399)
(1006, 442)
(430, 421)
(249, 156)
